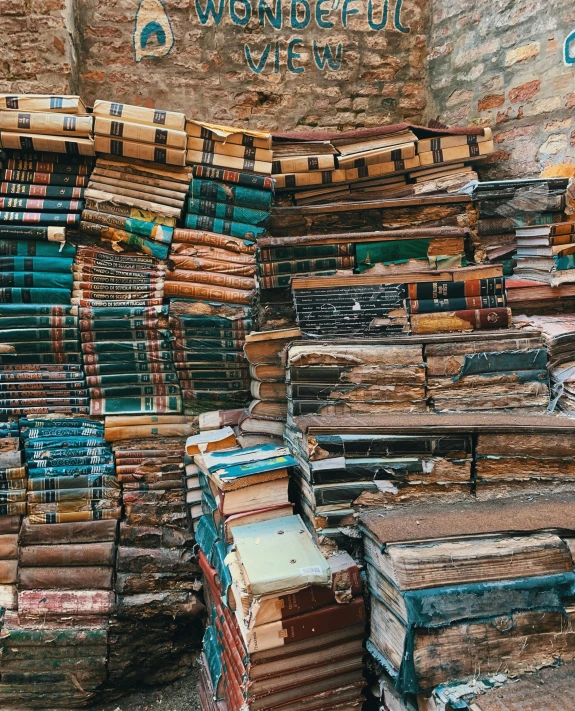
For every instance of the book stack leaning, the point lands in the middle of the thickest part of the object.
(47, 161)
(278, 635)
(13, 479)
(126, 348)
(137, 191)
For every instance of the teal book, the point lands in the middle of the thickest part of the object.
(59, 347)
(269, 566)
(37, 166)
(116, 367)
(43, 280)
(102, 312)
(202, 344)
(125, 357)
(214, 322)
(312, 251)
(234, 229)
(40, 358)
(210, 333)
(20, 335)
(210, 357)
(32, 322)
(220, 375)
(121, 391)
(49, 310)
(54, 265)
(235, 194)
(565, 262)
(10, 233)
(40, 218)
(146, 245)
(133, 379)
(229, 466)
(30, 176)
(124, 325)
(34, 296)
(227, 211)
(40, 205)
(127, 347)
(52, 192)
(40, 481)
(136, 405)
(226, 175)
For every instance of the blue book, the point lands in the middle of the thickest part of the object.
(235, 194)
(227, 467)
(224, 227)
(227, 211)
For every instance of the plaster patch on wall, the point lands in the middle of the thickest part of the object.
(153, 34)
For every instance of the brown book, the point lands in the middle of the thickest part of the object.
(8, 546)
(289, 181)
(140, 114)
(211, 239)
(123, 205)
(51, 144)
(229, 134)
(8, 571)
(268, 410)
(141, 151)
(273, 391)
(456, 153)
(140, 132)
(291, 630)
(373, 156)
(134, 191)
(49, 603)
(94, 531)
(229, 281)
(206, 145)
(46, 123)
(267, 373)
(217, 419)
(69, 104)
(226, 161)
(267, 346)
(302, 164)
(68, 578)
(207, 292)
(87, 554)
(467, 320)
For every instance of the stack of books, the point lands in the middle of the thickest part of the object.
(505, 205)
(345, 379)
(350, 463)
(70, 469)
(205, 266)
(267, 413)
(120, 297)
(558, 334)
(139, 133)
(55, 646)
(48, 147)
(207, 343)
(40, 356)
(359, 306)
(442, 580)
(12, 470)
(546, 255)
(231, 188)
(278, 265)
(505, 370)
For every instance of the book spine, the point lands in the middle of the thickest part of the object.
(225, 149)
(28, 176)
(41, 191)
(235, 194)
(139, 391)
(140, 132)
(35, 205)
(148, 246)
(225, 280)
(36, 264)
(140, 151)
(207, 172)
(225, 161)
(209, 357)
(132, 378)
(303, 164)
(121, 359)
(307, 265)
(207, 292)
(40, 218)
(108, 206)
(184, 237)
(218, 374)
(288, 181)
(71, 517)
(121, 313)
(54, 335)
(318, 251)
(227, 211)
(455, 304)
(234, 229)
(12, 232)
(135, 405)
(34, 296)
(276, 282)
(449, 289)
(140, 114)
(36, 166)
(44, 122)
(140, 227)
(36, 279)
(465, 320)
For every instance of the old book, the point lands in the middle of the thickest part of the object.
(43, 102)
(374, 156)
(207, 172)
(54, 192)
(456, 153)
(426, 145)
(496, 225)
(267, 346)
(235, 194)
(28, 176)
(219, 160)
(227, 211)
(306, 265)
(224, 227)
(36, 603)
(420, 306)
(211, 441)
(206, 145)
(141, 151)
(289, 181)
(228, 134)
(140, 114)
(302, 164)
(139, 132)
(318, 251)
(467, 320)
(460, 289)
(54, 144)
(384, 168)
(272, 391)
(130, 206)
(46, 123)
(68, 578)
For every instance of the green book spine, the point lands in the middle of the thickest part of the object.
(116, 367)
(54, 265)
(211, 385)
(81, 481)
(40, 218)
(148, 246)
(30, 176)
(133, 391)
(127, 347)
(135, 405)
(21, 335)
(39, 205)
(236, 194)
(209, 357)
(54, 192)
(218, 374)
(195, 344)
(96, 313)
(302, 266)
(25, 232)
(227, 211)
(275, 282)
(34, 296)
(234, 229)
(31, 322)
(51, 311)
(132, 379)
(37, 280)
(47, 347)
(313, 251)
(66, 158)
(127, 357)
(111, 324)
(209, 333)
(214, 322)
(226, 175)
(161, 233)
(124, 335)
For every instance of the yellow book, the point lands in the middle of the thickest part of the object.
(140, 132)
(44, 122)
(142, 151)
(51, 144)
(457, 153)
(206, 145)
(223, 161)
(287, 181)
(425, 145)
(67, 104)
(229, 134)
(303, 164)
(372, 171)
(140, 114)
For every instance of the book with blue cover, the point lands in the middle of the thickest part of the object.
(237, 469)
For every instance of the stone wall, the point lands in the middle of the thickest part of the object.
(510, 65)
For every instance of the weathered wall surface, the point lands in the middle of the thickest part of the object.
(509, 64)
(272, 63)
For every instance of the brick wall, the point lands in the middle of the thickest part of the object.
(503, 63)
(251, 62)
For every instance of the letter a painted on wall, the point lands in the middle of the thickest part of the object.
(569, 52)
(153, 34)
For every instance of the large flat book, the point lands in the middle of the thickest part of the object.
(140, 114)
(43, 102)
(267, 551)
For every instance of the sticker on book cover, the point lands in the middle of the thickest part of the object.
(311, 570)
